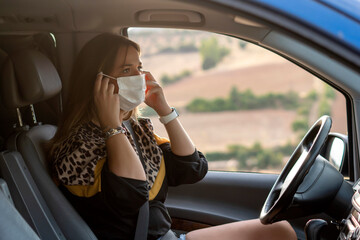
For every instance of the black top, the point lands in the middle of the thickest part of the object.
(112, 213)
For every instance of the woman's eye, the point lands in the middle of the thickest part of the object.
(126, 70)
(140, 68)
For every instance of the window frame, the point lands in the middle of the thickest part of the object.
(351, 134)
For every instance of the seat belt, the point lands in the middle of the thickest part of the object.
(143, 217)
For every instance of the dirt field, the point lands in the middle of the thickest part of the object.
(260, 79)
(215, 131)
(339, 115)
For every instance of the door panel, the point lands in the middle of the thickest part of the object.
(223, 197)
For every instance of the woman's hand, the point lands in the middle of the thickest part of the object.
(107, 103)
(154, 96)
(181, 143)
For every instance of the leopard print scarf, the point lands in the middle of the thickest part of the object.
(76, 158)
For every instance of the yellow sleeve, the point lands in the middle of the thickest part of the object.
(89, 190)
(160, 140)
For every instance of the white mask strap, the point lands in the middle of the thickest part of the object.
(107, 76)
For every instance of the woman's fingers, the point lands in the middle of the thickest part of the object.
(107, 102)
(153, 92)
(152, 88)
(149, 76)
(111, 88)
(104, 85)
(97, 85)
(151, 84)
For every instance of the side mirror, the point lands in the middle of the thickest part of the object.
(335, 151)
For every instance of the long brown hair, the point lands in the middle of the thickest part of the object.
(98, 55)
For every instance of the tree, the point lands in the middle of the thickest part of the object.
(324, 107)
(212, 53)
(234, 99)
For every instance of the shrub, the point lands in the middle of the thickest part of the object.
(212, 53)
(329, 92)
(245, 101)
(267, 158)
(252, 157)
(300, 125)
(198, 105)
(286, 149)
(312, 95)
(188, 47)
(166, 79)
(208, 63)
(242, 44)
(292, 100)
(303, 111)
(167, 50)
(216, 156)
(183, 48)
(324, 107)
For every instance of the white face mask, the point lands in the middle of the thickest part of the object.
(131, 91)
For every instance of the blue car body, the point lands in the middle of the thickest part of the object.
(332, 25)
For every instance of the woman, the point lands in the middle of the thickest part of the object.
(95, 158)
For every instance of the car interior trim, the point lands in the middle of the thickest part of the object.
(182, 16)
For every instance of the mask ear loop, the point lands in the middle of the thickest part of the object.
(105, 75)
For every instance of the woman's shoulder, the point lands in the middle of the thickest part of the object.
(83, 134)
(145, 123)
(144, 120)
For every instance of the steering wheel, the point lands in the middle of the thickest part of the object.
(299, 164)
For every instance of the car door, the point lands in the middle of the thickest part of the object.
(244, 107)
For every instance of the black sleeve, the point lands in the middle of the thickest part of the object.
(183, 169)
(124, 194)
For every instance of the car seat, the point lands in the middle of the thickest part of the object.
(29, 77)
(12, 224)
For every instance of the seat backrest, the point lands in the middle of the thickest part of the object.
(31, 145)
(12, 224)
(32, 78)
(27, 197)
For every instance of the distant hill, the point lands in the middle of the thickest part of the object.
(260, 79)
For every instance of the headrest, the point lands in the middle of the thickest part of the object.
(28, 77)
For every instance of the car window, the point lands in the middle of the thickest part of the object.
(245, 107)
